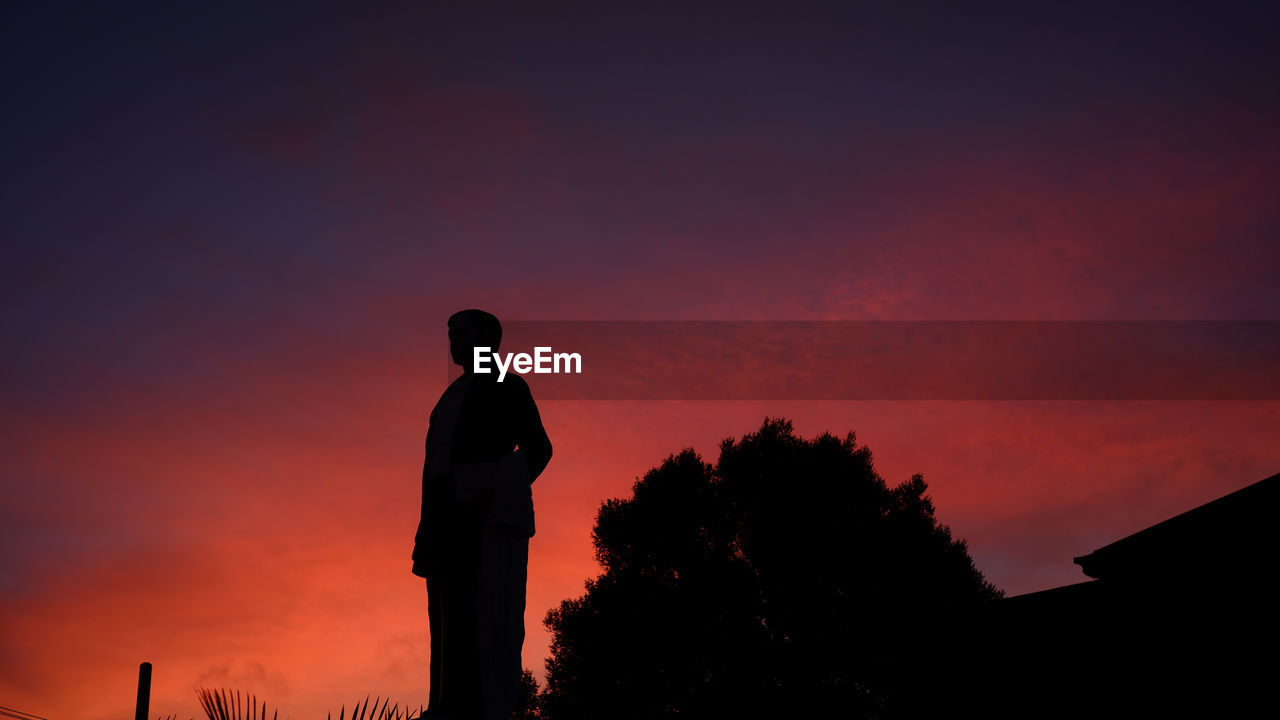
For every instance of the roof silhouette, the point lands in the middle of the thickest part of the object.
(1221, 539)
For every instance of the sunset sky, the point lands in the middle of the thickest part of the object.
(232, 238)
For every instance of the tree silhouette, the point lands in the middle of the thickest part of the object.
(527, 699)
(788, 577)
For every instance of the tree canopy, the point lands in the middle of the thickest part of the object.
(789, 575)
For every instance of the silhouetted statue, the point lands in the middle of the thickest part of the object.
(485, 447)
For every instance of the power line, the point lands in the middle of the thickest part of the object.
(18, 714)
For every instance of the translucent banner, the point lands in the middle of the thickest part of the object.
(893, 360)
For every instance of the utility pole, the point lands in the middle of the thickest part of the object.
(144, 692)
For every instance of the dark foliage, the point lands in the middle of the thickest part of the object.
(527, 702)
(222, 705)
(787, 578)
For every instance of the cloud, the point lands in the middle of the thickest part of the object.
(249, 676)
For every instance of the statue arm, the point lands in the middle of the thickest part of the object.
(531, 435)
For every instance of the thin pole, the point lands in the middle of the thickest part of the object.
(144, 692)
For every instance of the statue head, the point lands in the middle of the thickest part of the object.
(470, 329)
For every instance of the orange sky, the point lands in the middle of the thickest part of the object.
(275, 559)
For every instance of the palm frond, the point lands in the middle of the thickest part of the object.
(222, 705)
(382, 710)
